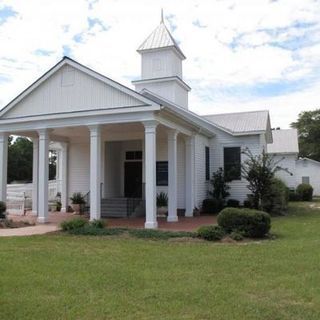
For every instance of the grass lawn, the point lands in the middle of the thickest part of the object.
(79, 277)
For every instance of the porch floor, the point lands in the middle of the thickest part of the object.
(184, 223)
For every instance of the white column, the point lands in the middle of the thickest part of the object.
(35, 168)
(95, 172)
(43, 176)
(172, 176)
(150, 175)
(3, 165)
(189, 174)
(63, 176)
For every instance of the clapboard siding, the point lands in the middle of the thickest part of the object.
(238, 189)
(79, 167)
(71, 90)
(287, 162)
(201, 185)
(311, 169)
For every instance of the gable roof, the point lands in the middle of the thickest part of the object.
(239, 123)
(284, 141)
(309, 160)
(160, 37)
(70, 62)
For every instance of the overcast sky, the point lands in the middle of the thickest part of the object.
(241, 54)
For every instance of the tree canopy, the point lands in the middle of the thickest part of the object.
(308, 125)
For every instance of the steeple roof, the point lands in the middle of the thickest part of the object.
(160, 38)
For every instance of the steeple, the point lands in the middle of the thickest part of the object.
(161, 66)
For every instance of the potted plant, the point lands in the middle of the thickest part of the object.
(162, 204)
(77, 201)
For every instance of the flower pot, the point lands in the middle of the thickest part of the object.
(76, 208)
(162, 212)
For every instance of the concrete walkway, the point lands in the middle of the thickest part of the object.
(28, 231)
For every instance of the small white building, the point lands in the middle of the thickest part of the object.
(285, 149)
(121, 146)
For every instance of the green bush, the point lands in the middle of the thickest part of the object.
(100, 224)
(212, 205)
(305, 191)
(252, 223)
(233, 203)
(158, 234)
(276, 200)
(211, 233)
(236, 235)
(89, 230)
(75, 223)
(162, 199)
(293, 196)
(247, 204)
(3, 209)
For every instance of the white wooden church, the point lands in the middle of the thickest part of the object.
(120, 145)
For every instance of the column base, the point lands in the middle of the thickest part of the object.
(42, 220)
(189, 214)
(172, 219)
(151, 225)
(63, 210)
(34, 212)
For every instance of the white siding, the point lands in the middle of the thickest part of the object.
(70, 90)
(307, 168)
(238, 188)
(201, 185)
(287, 162)
(79, 167)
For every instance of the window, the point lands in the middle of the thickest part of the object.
(232, 163)
(207, 155)
(306, 180)
(162, 173)
(134, 155)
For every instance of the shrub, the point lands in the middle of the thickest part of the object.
(77, 198)
(89, 230)
(211, 233)
(75, 223)
(3, 209)
(162, 200)
(252, 223)
(212, 205)
(100, 224)
(247, 204)
(293, 196)
(158, 234)
(236, 235)
(219, 185)
(275, 201)
(233, 203)
(305, 191)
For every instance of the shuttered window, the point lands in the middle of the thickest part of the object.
(232, 163)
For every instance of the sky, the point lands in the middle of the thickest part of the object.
(242, 55)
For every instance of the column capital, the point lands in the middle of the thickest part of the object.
(150, 124)
(189, 140)
(43, 133)
(94, 129)
(172, 134)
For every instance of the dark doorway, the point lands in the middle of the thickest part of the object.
(133, 179)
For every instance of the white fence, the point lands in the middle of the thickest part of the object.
(19, 196)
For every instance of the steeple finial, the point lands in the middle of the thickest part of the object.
(162, 20)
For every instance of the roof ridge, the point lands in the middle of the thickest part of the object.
(239, 112)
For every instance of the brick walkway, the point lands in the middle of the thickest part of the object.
(55, 218)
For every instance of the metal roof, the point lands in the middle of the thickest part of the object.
(242, 122)
(284, 141)
(160, 38)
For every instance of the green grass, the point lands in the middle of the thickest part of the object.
(91, 277)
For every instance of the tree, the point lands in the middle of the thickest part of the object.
(20, 152)
(259, 171)
(219, 185)
(308, 125)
